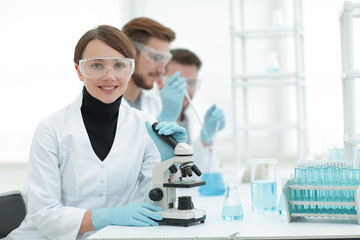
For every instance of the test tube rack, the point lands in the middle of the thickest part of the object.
(297, 209)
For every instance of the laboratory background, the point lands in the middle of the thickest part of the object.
(286, 121)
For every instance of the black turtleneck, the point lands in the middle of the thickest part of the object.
(100, 121)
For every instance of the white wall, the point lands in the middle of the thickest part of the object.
(203, 26)
(37, 75)
(323, 71)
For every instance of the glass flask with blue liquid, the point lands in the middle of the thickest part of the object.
(211, 175)
(281, 206)
(232, 209)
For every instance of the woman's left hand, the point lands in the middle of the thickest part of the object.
(166, 128)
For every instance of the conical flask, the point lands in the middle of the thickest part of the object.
(281, 206)
(232, 209)
(211, 175)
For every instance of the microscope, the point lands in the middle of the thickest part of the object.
(163, 192)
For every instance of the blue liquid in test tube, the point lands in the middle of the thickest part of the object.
(296, 194)
(328, 193)
(312, 193)
(321, 182)
(336, 193)
(305, 193)
(355, 179)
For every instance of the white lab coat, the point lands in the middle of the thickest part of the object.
(65, 177)
(149, 102)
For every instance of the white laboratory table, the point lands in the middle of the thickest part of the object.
(253, 226)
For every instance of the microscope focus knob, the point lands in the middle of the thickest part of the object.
(156, 194)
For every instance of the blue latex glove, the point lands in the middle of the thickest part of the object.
(172, 97)
(166, 128)
(134, 214)
(212, 116)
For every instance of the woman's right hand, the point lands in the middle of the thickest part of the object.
(133, 214)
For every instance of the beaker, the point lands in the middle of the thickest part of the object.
(211, 175)
(263, 184)
(232, 209)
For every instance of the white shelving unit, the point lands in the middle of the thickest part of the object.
(244, 80)
(349, 75)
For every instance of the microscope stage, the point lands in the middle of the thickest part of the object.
(184, 184)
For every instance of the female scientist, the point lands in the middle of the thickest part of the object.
(89, 160)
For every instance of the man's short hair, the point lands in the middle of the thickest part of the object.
(142, 29)
(186, 57)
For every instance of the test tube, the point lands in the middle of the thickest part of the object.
(296, 195)
(321, 182)
(305, 193)
(347, 179)
(338, 193)
(355, 173)
(328, 195)
(310, 181)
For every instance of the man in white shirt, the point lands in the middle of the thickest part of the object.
(189, 65)
(151, 41)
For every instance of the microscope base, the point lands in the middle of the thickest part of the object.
(183, 222)
(182, 217)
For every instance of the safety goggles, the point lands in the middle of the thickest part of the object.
(98, 67)
(190, 82)
(153, 55)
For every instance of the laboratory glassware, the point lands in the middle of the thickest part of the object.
(232, 209)
(211, 174)
(272, 63)
(263, 185)
(278, 19)
(281, 206)
(323, 189)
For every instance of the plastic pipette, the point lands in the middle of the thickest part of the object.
(164, 79)
(196, 114)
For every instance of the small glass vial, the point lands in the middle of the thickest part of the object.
(278, 19)
(272, 63)
(232, 209)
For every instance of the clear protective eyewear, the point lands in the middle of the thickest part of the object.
(190, 82)
(153, 55)
(98, 67)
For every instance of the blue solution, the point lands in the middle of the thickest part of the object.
(263, 195)
(214, 184)
(232, 213)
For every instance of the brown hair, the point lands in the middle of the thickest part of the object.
(186, 57)
(109, 35)
(141, 29)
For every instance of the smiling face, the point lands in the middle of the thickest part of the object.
(147, 72)
(107, 88)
